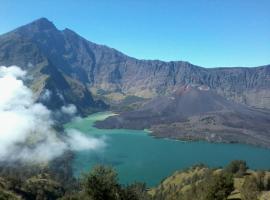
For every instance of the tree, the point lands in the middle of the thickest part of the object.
(135, 191)
(42, 187)
(218, 187)
(7, 195)
(260, 180)
(237, 167)
(101, 184)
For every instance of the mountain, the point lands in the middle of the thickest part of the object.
(43, 50)
(36, 48)
(186, 101)
(197, 113)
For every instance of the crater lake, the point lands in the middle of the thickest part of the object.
(137, 156)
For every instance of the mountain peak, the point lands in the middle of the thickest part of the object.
(39, 25)
(42, 24)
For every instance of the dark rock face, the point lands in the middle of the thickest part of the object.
(104, 69)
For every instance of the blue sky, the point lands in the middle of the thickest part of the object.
(209, 33)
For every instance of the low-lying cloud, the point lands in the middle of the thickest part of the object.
(77, 141)
(70, 110)
(26, 132)
(45, 96)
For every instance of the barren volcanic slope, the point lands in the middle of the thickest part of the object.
(195, 112)
(42, 49)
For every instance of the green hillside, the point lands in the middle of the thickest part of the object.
(234, 182)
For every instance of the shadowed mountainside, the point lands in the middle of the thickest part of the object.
(28, 47)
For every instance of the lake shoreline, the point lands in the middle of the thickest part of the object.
(137, 155)
(161, 132)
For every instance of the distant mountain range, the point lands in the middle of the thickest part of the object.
(63, 61)
(182, 100)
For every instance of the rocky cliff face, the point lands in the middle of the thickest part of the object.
(111, 74)
(32, 47)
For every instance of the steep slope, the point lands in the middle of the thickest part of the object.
(197, 113)
(113, 75)
(51, 86)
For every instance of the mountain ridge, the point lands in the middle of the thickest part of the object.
(43, 20)
(113, 76)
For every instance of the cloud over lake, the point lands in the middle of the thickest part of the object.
(26, 127)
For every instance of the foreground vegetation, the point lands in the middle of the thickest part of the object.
(234, 182)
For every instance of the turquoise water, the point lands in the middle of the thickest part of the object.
(139, 157)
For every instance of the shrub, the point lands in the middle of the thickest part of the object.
(250, 190)
(219, 187)
(101, 183)
(237, 167)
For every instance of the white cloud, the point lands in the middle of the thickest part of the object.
(45, 95)
(12, 71)
(26, 131)
(69, 109)
(79, 142)
(60, 96)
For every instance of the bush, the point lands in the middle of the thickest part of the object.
(101, 183)
(237, 167)
(211, 187)
(136, 191)
(42, 187)
(219, 187)
(250, 189)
